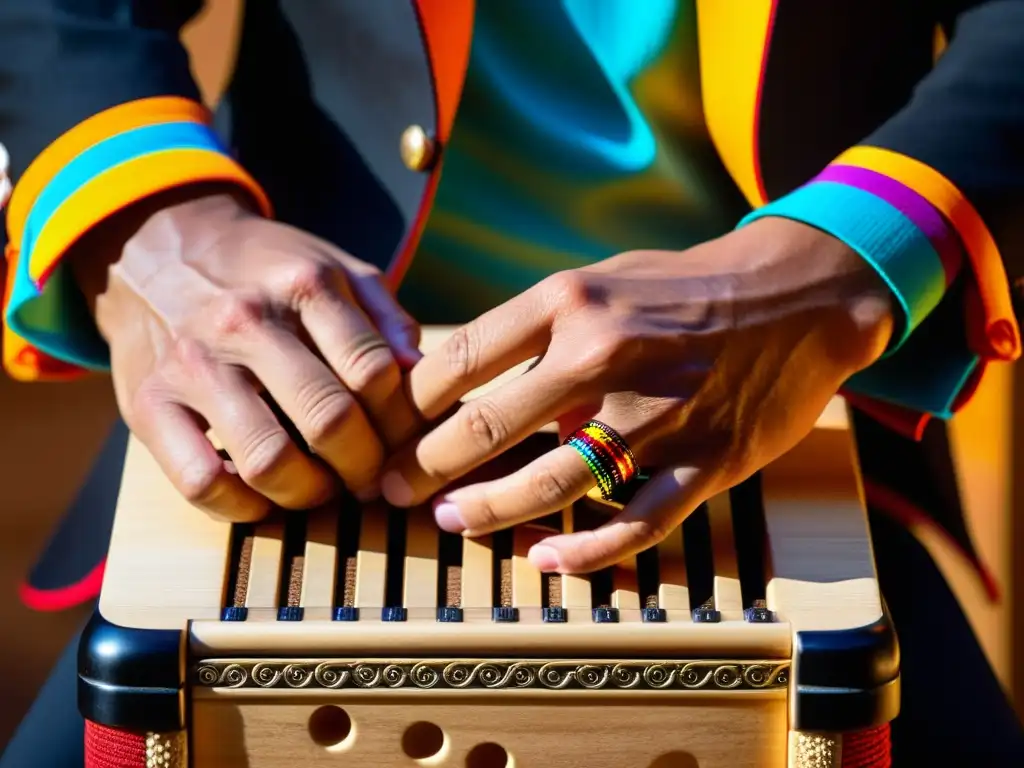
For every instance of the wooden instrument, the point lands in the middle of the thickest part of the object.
(754, 635)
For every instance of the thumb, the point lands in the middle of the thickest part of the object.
(396, 325)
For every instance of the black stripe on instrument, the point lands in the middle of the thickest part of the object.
(501, 548)
(700, 566)
(449, 577)
(239, 562)
(347, 548)
(293, 555)
(393, 609)
(601, 584)
(647, 579)
(750, 539)
(551, 611)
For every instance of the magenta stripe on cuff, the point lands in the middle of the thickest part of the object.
(910, 204)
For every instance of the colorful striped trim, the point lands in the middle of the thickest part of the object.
(48, 333)
(110, 122)
(887, 238)
(911, 205)
(996, 335)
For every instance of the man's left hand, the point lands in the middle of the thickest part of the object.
(710, 363)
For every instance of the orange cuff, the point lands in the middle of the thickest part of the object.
(993, 332)
(93, 171)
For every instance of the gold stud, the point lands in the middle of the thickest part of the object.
(418, 148)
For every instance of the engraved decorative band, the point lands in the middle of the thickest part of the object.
(493, 674)
(606, 454)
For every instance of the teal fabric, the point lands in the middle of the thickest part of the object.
(580, 135)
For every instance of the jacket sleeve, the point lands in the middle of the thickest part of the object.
(934, 200)
(98, 110)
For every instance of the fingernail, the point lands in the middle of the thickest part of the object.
(544, 559)
(396, 490)
(448, 518)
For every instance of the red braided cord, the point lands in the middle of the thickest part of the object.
(867, 749)
(113, 748)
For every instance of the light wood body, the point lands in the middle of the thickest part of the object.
(168, 568)
(739, 730)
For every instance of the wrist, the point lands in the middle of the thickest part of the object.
(163, 221)
(852, 309)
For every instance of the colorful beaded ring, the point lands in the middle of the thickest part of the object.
(607, 455)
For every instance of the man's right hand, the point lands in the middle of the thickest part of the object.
(208, 308)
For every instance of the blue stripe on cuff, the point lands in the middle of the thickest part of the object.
(901, 254)
(106, 155)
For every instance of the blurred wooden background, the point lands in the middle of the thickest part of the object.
(51, 434)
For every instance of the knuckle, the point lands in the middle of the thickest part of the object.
(370, 365)
(569, 290)
(548, 487)
(308, 279)
(192, 360)
(484, 517)
(603, 354)
(649, 530)
(236, 316)
(486, 425)
(326, 414)
(142, 404)
(263, 455)
(198, 482)
(460, 353)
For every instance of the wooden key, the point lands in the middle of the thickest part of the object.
(673, 585)
(477, 573)
(526, 579)
(419, 589)
(372, 557)
(320, 560)
(265, 566)
(625, 591)
(728, 597)
(575, 589)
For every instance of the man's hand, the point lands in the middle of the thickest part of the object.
(209, 309)
(710, 363)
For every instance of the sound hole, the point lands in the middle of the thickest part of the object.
(487, 755)
(329, 726)
(422, 740)
(675, 760)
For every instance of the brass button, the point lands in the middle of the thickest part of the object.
(418, 148)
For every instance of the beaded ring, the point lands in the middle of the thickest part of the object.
(606, 454)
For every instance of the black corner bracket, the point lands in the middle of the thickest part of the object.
(848, 679)
(130, 678)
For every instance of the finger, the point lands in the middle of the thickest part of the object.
(325, 413)
(661, 505)
(478, 352)
(260, 448)
(395, 324)
(543, 487)
(478, 431)
(366, 364)
(178, 444)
